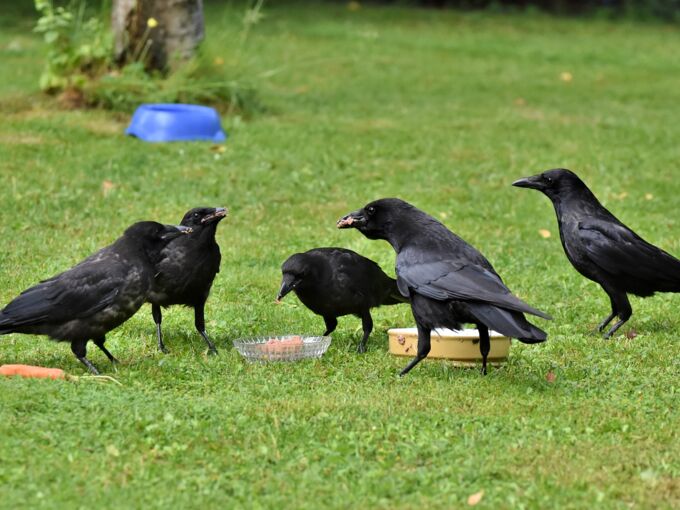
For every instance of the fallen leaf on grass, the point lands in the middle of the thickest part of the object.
(566, 76)
(107, 187)
(649, 196)
(218, 148)
(475, 498)
(545, 234)
(631, 334)
(550, 377)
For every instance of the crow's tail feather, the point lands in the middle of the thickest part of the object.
(508, 323)
(393, 296)
(5, 327)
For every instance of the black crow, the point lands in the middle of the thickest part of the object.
(95, 296)
(602, 248)
(333, 282)
(447, 280)
(187, 269)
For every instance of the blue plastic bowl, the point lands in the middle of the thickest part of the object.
(175, 122)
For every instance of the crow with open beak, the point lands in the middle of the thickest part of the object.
(185, 273)
(447, 280)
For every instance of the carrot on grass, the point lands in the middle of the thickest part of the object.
(51, 373)
(31, 371)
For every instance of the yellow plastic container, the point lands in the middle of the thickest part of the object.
(462, 347)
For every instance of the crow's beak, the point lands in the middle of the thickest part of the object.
(288, 284)
(173, 231)
(533, 182)
(354, 219)
(220, 213)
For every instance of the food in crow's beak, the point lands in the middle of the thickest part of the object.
(345, 222)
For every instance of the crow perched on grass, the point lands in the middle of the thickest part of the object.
(448, 281)
(95, 296)
(333, 282)
(187, 269)
(602, 248)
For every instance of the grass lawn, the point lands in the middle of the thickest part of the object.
(442, 109)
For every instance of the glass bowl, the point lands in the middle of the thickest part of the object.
(282, 348)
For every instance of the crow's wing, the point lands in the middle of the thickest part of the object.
(350, 273)
(363, 278)
(621, 252)
(76, 293)
(443, 280)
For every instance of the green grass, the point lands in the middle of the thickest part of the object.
(442, 109)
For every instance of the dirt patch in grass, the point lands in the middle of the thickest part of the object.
(103, 125)
(20, 139)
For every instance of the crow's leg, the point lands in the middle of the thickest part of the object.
(367, 325)
(607, 320)
(423, 349)
(611, 293)
(99, 342)
(199, 322)
(615, 327)
(158, 318)
(624, 311)
(79, 348)
(484, 344)
(331, 324)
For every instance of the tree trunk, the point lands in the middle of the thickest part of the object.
(156, 32)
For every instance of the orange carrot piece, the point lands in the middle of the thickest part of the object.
(31, 371)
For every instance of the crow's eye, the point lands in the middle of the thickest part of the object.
(370, 210)
(548, 179)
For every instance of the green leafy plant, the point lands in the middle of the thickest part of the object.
(79, 46)
(80, 60)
